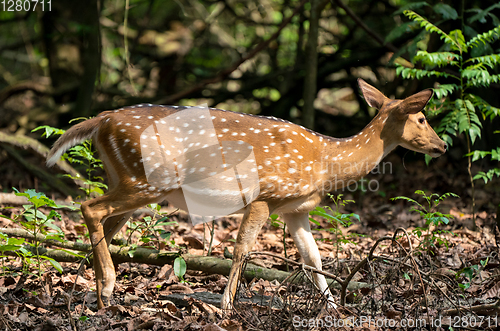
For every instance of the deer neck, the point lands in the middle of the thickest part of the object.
(349, 159)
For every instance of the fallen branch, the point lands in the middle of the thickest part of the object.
(35, 147)
(491, 309)
(207, 264)
(36, 171)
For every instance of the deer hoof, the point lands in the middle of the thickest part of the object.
(226, 303)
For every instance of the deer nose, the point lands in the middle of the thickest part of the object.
(445, 146)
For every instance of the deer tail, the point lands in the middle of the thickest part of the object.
(74, 136)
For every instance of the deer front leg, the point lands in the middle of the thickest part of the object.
(103, 264)
(102, 227)
(255, 216)
(298, 226)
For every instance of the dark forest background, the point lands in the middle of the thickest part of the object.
(297, 60)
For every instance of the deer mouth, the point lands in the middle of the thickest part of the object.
(438, 151)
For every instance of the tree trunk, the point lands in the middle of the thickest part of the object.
(311, 66)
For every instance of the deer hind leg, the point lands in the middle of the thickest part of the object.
(298, 226)
(255, 216)
(110, 211)
(111, 225)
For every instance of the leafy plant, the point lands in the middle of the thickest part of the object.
(8, 244)
(463, 65)
(430, 216)
(82, 154)
(150, 229)
(33, 220)
(180, 268)
(470, 273)
(337, 220)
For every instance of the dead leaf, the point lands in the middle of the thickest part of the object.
(213, 327)
(231, 325)
(128, 298)
(178, 288)
(193, 242)
(493, 292)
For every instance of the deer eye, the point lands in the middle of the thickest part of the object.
(421, 120)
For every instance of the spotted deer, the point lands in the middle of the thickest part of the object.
(294, 168)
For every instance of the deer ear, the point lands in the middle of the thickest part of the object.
(415, 103)
(373, 97)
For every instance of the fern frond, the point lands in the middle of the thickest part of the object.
(480, 77)
(467, 120)
(432, 28)
(484, 107)
(484, 38)
(489, 60)
(448, 127)
(437, 58)
(443, 90)
(412, 73)
(447, 195)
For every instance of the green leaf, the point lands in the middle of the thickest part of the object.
(459, 41)
(38, 199)
(491, 60)
(55, 264)
(4, 248)
(482, 13)
(80, 256)
(446, 11)
(432, 28)
(437, 58)
(484, 38)
(413, 73)
(49, 131)
(443, 90)
(180, 267)
(165, 235)
(320, 213)
(314, 221)
(399, 31)
(407, 199)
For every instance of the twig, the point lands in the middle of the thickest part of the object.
(307, 267)
(360, 265)
(212, 234)
(483, 309)
(5, 322)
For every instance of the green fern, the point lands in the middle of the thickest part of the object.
(413, 73)
(491, 60)
(431, 28)
(484, 38)
(440, 59)
(443, 90)
(462, 110)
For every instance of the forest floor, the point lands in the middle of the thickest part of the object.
(433, 281)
